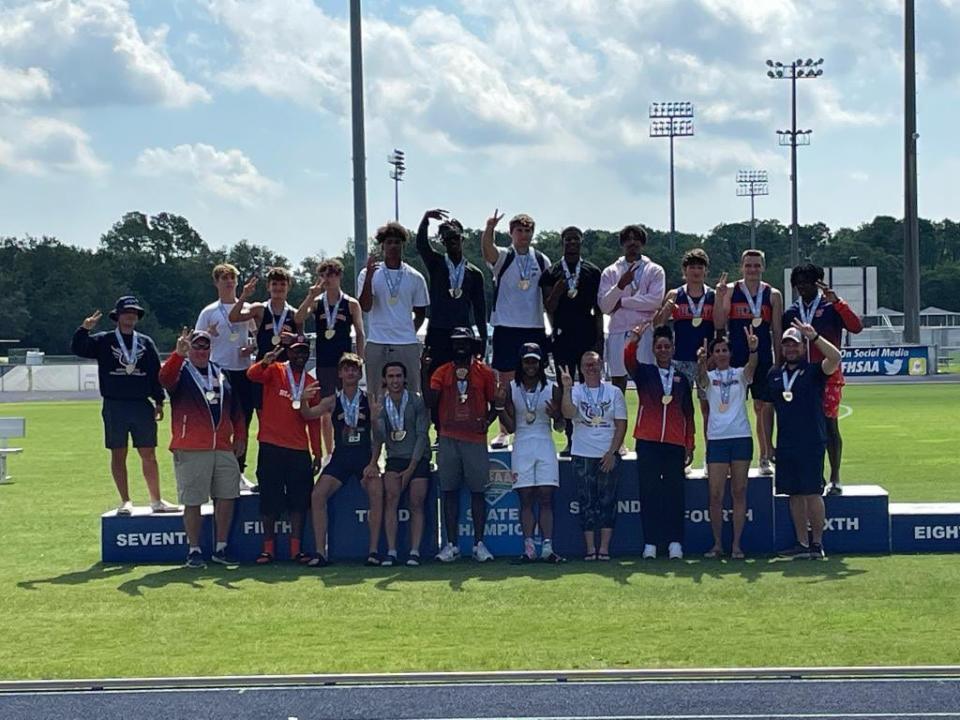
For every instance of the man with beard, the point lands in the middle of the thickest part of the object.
(456, 287)
(570, 290)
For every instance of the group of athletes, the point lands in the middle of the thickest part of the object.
(245, 356)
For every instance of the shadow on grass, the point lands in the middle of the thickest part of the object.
(622, 572)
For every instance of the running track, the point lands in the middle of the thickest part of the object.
(797, 699)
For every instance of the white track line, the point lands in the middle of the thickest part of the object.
(845, 412)
(764, 716)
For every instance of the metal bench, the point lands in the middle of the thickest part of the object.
(10, 427)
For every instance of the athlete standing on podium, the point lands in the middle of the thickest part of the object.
(750, 301)
(820, 306)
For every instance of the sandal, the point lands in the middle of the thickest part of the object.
(590, 557)
(738, 555)
(603, 557)
(301, 557)
(316, 561)
(713, 554)
(264, 558)
(372, 560)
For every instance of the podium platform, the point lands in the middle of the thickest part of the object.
(145, 537)
(924, 527)
(857, 521)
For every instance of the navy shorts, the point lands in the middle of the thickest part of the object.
(285, 477)
(799, 470)
(347, 464)
(730, 449)
(125, 419)
(507, 342)
(398, 465)
(758, 388)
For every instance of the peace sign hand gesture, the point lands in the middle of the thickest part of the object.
(702, 353)
(828, 293)
(248, 287)
(721, 289)
(806, 330)
(376, 405)
(493, 220)
(270, 357)
(91, 322)
(566, 379)
(316, 290)
(183, 342)
(500, 394)
(753, 342)
(640, 329)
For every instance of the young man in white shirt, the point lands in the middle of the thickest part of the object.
(517, 309)
(231, 349)
(631, 292)
(599, 414)
(395, 297)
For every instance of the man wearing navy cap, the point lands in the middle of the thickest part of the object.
(796, 392)
(128, 365)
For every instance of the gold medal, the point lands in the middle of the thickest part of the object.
(757, 321)
(393, 300)
(210, 395)
(596, 420)
(295, 404)
(398, 435)
(572, 293)
(462, 373)
(455, 293)
(523, 284)
(130, 368)
(275, 340)
(463, 397)
(530, 417)
(696, 322)
(788, 395)
(329, 333)
(666, 399)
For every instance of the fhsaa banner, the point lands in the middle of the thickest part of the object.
(888, 360)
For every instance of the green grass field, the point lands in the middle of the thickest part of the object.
(66, 615)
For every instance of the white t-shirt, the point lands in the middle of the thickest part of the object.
(605, 402)
(224, 351)
(542, 427)
(516, 307)
(392, 324)
(732, 422)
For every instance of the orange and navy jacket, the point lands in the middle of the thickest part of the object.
(191, 420)
(656, 422)
(280, 424)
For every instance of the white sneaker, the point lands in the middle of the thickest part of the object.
(675, 551)
(449, 553)
(649, 552)
(125, 509)
(162, 506)
(765, 466)
(245, 484)
(500, 441)
(546, 550)
(480, 553)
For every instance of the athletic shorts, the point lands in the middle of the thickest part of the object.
(285, 477)
(689, 370)
(507, 342)
(398, 465)
(758, 388)
(205, 474)
(799, 470)
(462, 463)
(832, 394)
(534, 464)
(125, 419)
(729, 450)
(346, 464)
(614, 345)
(376, 355)
(329, 380)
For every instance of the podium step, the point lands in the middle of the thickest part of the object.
(925, 527)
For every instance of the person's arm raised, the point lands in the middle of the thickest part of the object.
(487, 245)
(241, 312)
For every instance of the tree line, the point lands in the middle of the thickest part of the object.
(48, 287)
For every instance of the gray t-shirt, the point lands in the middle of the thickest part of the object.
(416, 423)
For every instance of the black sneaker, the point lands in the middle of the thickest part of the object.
(220, 557)
(816, 552)
(195, 560)
(565, 452)
(317, 561)
(797, 551)
(834, 489)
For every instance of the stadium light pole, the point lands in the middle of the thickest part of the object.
(911, 222)
(752, 183)
(395, 160)
(670, 120)
(799, 69)
(359, 151)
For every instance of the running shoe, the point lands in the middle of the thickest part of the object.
(195, 560)
(481, 554)
(765, 467)
(797, 551)
(649, 552)
(247, 485)
(834, 489)
(162, 506)
(817, 552)
(675, 551)
(125, 509)
(220, 557)
(449, 553)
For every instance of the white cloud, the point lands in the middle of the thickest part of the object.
(46, 146)
(93, 53)
(228, 174)
(23, 85)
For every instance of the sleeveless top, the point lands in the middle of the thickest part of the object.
(359, 439)
(330, 350)
(740, 317)
(265, 330)
(687, 338)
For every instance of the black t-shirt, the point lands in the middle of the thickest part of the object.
(446, 311)
(800, 422)
(265, 330)
(575, 319)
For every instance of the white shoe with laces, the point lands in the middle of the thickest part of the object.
(675, 551)
(449, 553)
(649, 552)
(765, 467)
(125, 509)
(245, 484)
(162, 506)
(480, 553)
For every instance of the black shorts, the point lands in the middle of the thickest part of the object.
(346, 464)
(758, 388)
(242, 388)
(398, 465)
(286, 479)
(507, 342)
(329, 379)
(124, 419)
(567, 352)
(799, 470)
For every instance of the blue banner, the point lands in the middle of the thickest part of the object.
(888, 360)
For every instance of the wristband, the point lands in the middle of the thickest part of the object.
(499, 409)
(815, 337)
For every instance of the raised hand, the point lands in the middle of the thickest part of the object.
(640, 329)
(828, 294)
(753, 342)
(91, 322)
(248, 287)
(494, 219)
(806, 330)
(213, 329)
(311, 391)
(317, 289)
(500, 394)
(270, 357)
(437, 214)
(702, 352)
(183, 342)
(372, 262)
(721, 289)
(287, 337)
(566, 379)
(376, 406)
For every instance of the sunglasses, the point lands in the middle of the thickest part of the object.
(200, 346)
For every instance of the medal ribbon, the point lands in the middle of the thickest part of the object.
(788, 383)
(695, 309)
(330, 313)
(395, 414)
(666, 379)
(131, 357)
(456, 272)
(351, 408)
(296, 389)
(635, 284)
(595, 405)
(726, 382)
(205, 385)
(393, 278)
(532, 407)
(278, 326)
(573, 278)
(523, 264)
(753, 303)
(226, 318)
(806, 316)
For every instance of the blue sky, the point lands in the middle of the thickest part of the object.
(235, 113)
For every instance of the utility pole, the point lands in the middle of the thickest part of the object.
(359, 151)
(911, 222)
(670, 120)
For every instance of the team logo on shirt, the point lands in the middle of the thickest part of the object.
(121, 362)
(589, 411)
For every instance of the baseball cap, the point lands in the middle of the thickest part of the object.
(530, 350)
(124, 304)
(462, 333)
(200, 335)
(792, 334)
(451, 227)
(301, 341)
